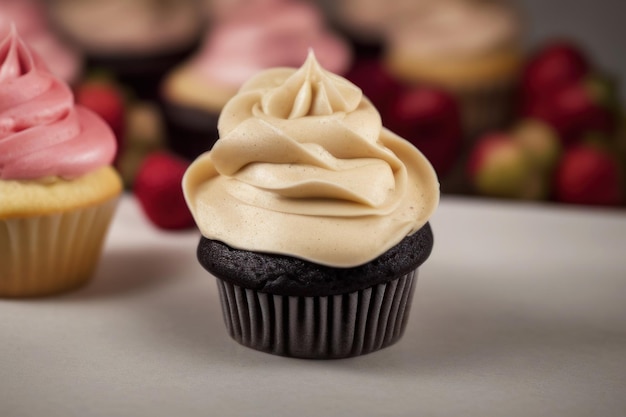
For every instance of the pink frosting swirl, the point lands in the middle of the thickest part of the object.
(31, 22)
(266, 34)
(42, 132)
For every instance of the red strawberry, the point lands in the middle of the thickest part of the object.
(588, 175)
(574, 111)
(557, 64)
(430, 119)
(105, 98)
(157, 186)
(377, 84)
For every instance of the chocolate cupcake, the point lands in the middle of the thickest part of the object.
(292, 307)
(314, 217)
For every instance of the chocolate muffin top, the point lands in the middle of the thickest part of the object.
(285, 275)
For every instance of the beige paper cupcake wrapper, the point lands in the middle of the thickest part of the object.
(47, 254)
(327, 327)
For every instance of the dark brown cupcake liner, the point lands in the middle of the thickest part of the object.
(486, 108)
(142, 73)
(189, 132)
(483, 109)
(321, 327)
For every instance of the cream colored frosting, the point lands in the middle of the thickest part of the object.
(303, 167)
(456, 28)
(129, 26)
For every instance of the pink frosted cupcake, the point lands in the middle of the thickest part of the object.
(259, 35)
(58, 191)
(29, 18)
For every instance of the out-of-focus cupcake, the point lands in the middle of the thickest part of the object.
(259, 35)
(364, 22)
(138, 40)
(221, 10)
(470, 47)
(144, 134)
(30, 19)
(58, 191)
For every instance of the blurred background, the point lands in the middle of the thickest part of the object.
(597, 25)
(519, 100)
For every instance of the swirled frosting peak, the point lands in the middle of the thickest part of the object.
(42, 133)
(318, 94)
(29, 16)
(303, 167)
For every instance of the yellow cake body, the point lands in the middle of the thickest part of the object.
(52, 231)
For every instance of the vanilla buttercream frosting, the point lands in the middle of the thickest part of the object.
(304, 168)
(43, 134)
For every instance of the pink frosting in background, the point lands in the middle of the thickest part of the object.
(29, 18)
(42, 132)
(265, 34)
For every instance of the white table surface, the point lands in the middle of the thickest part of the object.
(520, 311)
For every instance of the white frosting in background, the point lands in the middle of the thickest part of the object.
(128, 26)
(455, 28)
(303, 167)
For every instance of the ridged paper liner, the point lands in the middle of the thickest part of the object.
(47, 254)
(328, 327)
